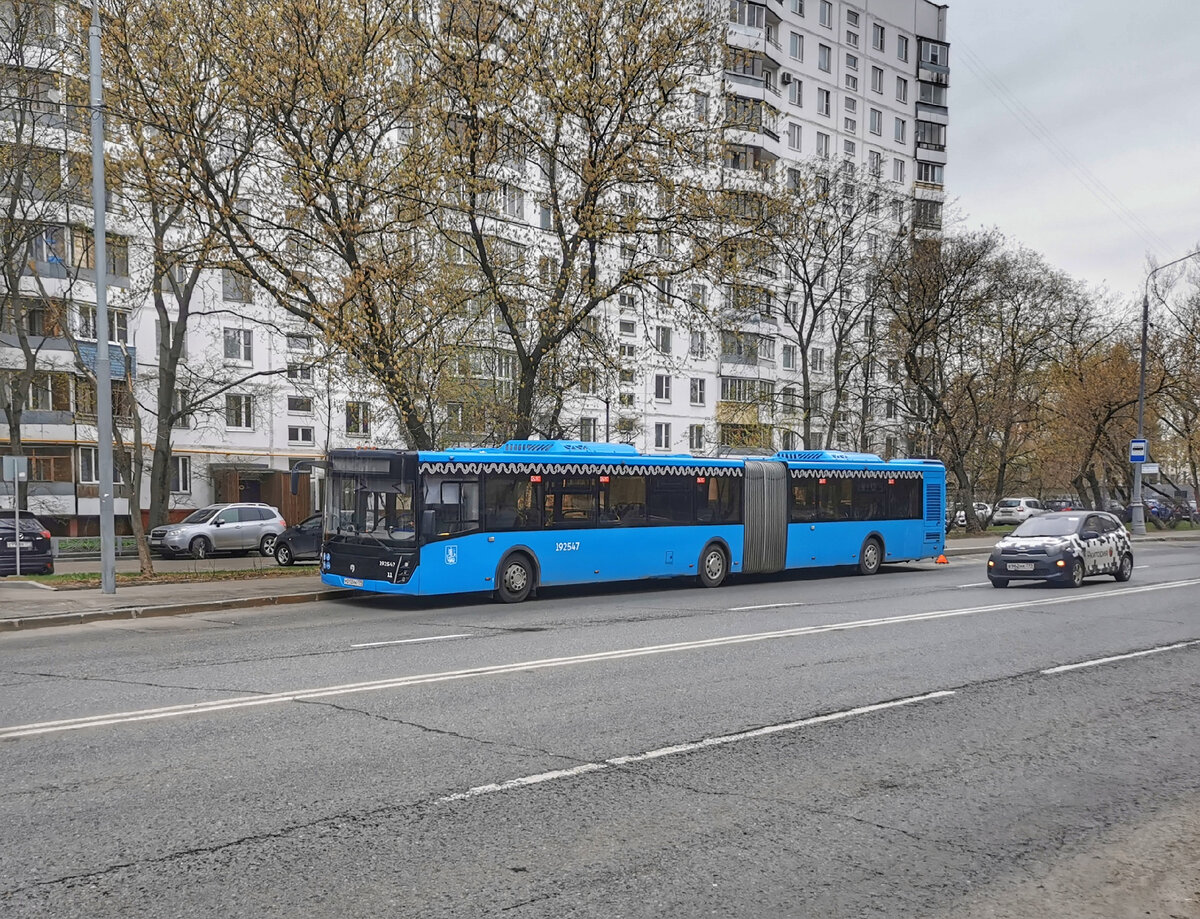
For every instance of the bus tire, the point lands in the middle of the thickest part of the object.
(870, 557)
(515, 578)
(714, 565)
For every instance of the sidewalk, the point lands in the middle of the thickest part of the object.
(26, 605)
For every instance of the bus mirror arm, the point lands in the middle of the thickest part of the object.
(303, 466)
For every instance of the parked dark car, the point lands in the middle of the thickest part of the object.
(300, 542)
(37, 552)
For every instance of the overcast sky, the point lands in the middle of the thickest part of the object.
(1109, 98)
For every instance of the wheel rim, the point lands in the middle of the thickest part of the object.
(283, 554)
(516, 577)
(200, 548)
(268, 545)
(1126, 567)
(871, 556)
(1077, 574)
(714, 564)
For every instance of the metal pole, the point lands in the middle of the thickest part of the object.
(104, 416)
(1138, 517)
(17, 515)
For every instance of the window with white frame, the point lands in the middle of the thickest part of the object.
(826, 17)
(877, 37)
(823, 102)
(89, 466)
(793, 134)
(816, 360)
(934, 53)
(696, 345)
(297, 341)
(627, 327)
(875, 163)
(299, 405)
(796, 92)
(696, 437)
(358, 419)
(851, 82)
(849, 147)
(850, 105)
(901, 89)
(798, 7)
(181, 475)
(851, 39)
(627, 351)
(236, 287)
(696, 391)
(766, 349)
(662, 436)
(587, 429)
(877, 79)
(301, 373)
(796, 46)
(898, 171)
(662, 387)
(931, 173)
(823, 145)
(902, 47)
(662, 339)
(789, 357)
(825, 58)
(301, 434)
(851, 17)
(239, 345)
(239, 411)
(901, 130)
(852, 62)
(118, 324)
(876, 121)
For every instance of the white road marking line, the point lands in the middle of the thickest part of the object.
(323, 692)
(1141, 566)
(1119, 657)
(977, 584)
(742, 609)
(677, 749)
(408, 641)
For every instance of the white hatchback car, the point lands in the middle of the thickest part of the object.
(1017, 510)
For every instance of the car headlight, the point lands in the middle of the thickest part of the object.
(173, 532)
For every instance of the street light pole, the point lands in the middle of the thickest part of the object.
(1138, 509)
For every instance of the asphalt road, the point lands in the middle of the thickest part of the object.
(895, 746)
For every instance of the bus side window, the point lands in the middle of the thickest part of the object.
(623, 501)
(510, 503)
(805, 508)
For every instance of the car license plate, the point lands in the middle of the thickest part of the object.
(26, 544)
(352, 582)
(1020, 566)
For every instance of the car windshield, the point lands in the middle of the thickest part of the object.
(201, 516)
(1048, 526)
(28, 524)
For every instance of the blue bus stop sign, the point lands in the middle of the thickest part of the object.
(1137, 451)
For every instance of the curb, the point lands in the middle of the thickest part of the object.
(169, 609)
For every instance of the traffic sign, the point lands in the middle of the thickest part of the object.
(1137, 451)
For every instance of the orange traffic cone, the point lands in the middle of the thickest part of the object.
(942, 560)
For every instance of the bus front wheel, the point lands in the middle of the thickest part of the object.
(714, 565)
(516, 579)
(871, 556)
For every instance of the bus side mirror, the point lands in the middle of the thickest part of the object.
(428, 523)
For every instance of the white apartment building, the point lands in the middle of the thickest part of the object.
(861, 82)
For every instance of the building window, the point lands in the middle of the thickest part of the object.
(876, 121)
(850, 105)
(625, 398)
(179, 417)
(931, 173)
(358, 419)
(796, 92)
(877, 37)
(934, 53)
(798, 7)
(927, 214)
(825, 58)
(823, 145)
(696, 391)
(875, 163)
(852, 83)
(849, 147)
(794, 136)
(851, 39)
(877, 79)
(696, 345)
(587, 429)
(628, 327)
(512, 198)
(826, 14)
(239, 411)
(816, 360)
(700, 107)
(236, 287)
(902, 47)
(299, 405)
(796, 46)
(893, 371)
(181, 475)
(299, 342)
(301, 373)
(662, 436)
(898, 171)
(931, 135)
(118, 324)
(695, 437)
(931, 93)
(823, 97)
(300, 434)
(789, 357)
(662, 387)
(662, 339)
(901, 89)
(889, 408)
(239, 345)
(901, 130)
(89, 466)
(851, 17)
(850, 125)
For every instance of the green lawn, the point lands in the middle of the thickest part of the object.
(92, 579)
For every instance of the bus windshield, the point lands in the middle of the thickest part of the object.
(375, 507)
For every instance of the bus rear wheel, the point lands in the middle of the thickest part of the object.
(516, 579)
(871, 556)
(714, 566)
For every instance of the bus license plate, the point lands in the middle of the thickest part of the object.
(1020, 566)
(352, 582)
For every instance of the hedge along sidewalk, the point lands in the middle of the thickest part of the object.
(25, 607)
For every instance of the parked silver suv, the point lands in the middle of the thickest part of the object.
(235, 528)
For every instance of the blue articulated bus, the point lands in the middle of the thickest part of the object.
(539, 513)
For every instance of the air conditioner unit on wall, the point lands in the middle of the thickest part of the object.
(785, 79)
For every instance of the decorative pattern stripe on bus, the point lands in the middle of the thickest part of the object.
(577, 469)
(858, 473)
